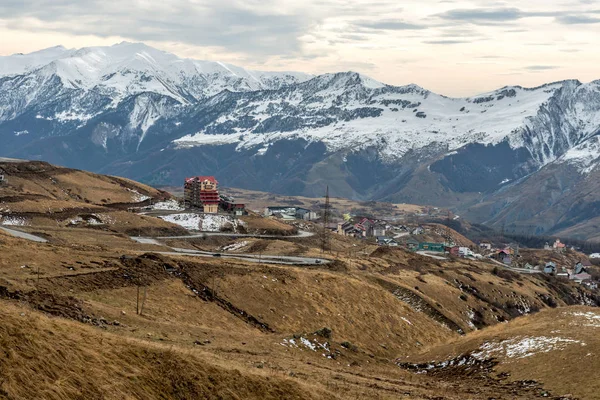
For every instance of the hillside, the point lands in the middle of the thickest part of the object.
(36, 194)
(525, 349)
(154, 317)
(82, 362)
(154, 117)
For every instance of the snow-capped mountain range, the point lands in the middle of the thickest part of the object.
(138, 111)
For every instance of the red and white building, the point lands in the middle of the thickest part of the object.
(202, 192)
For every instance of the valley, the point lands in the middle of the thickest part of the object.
(114, 303)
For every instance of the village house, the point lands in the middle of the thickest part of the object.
(579, 273)
(366, 227)
(485, 245)
(228, 204)
(379, 230)
(435, 247)
(580, 278)
(563, 273)
(290, 213)
(500, 255)
(558, 246)
(306, 214)
(386, 241)
(453, 250)
(465, 252)
(412, 244)
(418, 231)
(348, 229)
(550, 268)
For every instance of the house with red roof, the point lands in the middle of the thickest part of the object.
(558, 246)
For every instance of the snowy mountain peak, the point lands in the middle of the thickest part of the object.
(125, 68)
(345, 111)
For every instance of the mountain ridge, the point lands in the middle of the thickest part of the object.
(150, 115)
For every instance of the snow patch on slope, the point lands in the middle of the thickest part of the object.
(13, 221)
(522, 347)
(202, 222)
(585, 157)
(168, 205)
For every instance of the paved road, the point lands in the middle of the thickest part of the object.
(264, 259)
(401, 234)
(145, 240)
(519, 270)
(301, 234)
(431, 255)
(23, 235)
(11, 160)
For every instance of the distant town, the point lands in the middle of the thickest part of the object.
(435, 240)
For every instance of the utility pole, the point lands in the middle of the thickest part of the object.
(448, 236)
(325, 238)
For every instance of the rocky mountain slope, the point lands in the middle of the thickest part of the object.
(134, 110)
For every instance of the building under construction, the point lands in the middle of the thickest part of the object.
(202, 192)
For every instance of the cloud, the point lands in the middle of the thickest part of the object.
(496, 16)
(446, 41)
(395, 41)
(541, 67)
(237, 26)
(577, 19)
(396, 25)
(482, 15)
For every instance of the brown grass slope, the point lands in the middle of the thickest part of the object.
(43, 195)
(556, 347)
(47, 358)
(206, 318)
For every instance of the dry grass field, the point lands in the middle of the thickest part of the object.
(92, 314)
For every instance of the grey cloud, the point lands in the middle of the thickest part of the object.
(498, 16)
(446, 41)
(541, 67)
(482, 15)
(229, 24)
(397, 25)
(577, 19)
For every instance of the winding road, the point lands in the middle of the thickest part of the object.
(301, 234)
(262, 259)
(24, 235)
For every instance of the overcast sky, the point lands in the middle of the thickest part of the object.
(452, 47)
